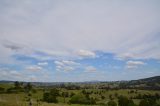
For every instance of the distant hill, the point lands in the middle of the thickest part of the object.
(145, 83)
(151, 79)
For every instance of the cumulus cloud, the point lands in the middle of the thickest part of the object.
(43, 64)
(66, 65)
(34, 68)
(85, 53)
(59, 63)
(90, 69)
(134, 64)
(10, 74)
(69, 62)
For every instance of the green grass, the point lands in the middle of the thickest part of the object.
(20, 99)
(6, 86)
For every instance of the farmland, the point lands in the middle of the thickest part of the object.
(76, 94)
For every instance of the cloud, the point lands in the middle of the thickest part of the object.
(59, 63)
(43, 64)
(32, 78)
(13, 46)
(15, 73)
(86, 53)
(90, 69)
(69, 62)
(134, 64)
(73, 30)
(61, 28)
(34, 68)
(66, 65)
(24, 75)
(10, 74)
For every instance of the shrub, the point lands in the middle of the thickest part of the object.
(47, 97)
(112, 103)
(2, 90)
(123, 101)
(81, 99)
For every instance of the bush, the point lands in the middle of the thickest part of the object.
(2, 90)
(47, 97)
(81, 99)
(144, 103)
(131, 103)
(12, 90)
(123, 101)
(148, 102)
(54, 92)
(51, 97)
(112, 103)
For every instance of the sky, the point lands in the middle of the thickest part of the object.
(79, 40)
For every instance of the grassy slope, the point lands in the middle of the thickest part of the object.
(20, 98)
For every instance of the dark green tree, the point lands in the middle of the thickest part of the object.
(131, 103)
(112, 103)
(17, 85)
(81, 99)
(123, 101)
(54, 92)
(144, 103)
(28, 87)
(47, 97)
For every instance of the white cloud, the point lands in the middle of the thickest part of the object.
(85, 53)
(134, 64)
(55, 30)
(59, 63)
(24, 75)
(9, 74)
(15, 73)
(68, 68)
(90, 69)
(66, 65)
(73, 25)
(65, 68)
(34, 68)
(32, 78)
(43, 64)
(69, 62)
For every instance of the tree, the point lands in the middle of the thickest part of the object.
(17, 85)
(47, 97)
(123, 101)
(144, 103)
(64, 95)
(28, 87)
(72, 94)
(112, 103)
(81, 99)
(51, 96)
(116, 94)
(2, 90)
(102, 97)
(54, 92)
(131, 103)
(111, 97)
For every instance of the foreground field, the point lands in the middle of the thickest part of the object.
(145, 92)
(22, 99)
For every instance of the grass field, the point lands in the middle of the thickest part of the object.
(22, 99)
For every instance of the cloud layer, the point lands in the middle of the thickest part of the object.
(72, 35)
(63, 27)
